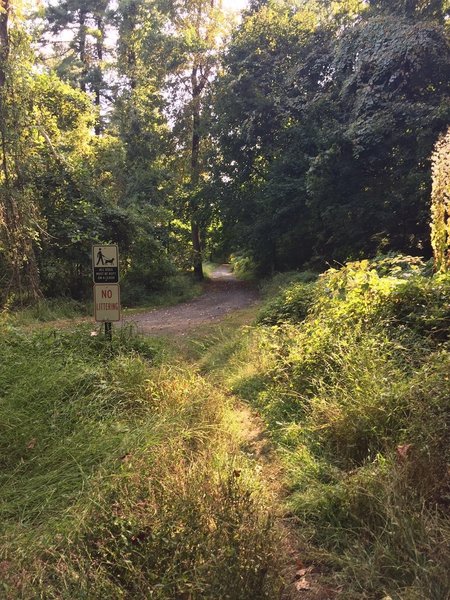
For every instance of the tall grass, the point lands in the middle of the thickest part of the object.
(121, 477)
(46, 310)
(352, 377)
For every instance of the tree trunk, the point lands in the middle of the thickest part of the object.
(82, 48)
(4, 41)
(99, 49)
(195, 172)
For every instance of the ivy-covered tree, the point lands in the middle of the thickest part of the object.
(19, 220)
(440, 204)
(388, 94)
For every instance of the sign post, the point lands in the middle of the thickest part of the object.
(105, 273)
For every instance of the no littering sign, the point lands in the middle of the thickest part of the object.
(107, 302)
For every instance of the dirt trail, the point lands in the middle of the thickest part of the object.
(223, 294)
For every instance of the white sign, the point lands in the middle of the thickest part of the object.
(107, 302)
(105, 263)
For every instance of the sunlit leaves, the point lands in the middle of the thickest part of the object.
(440, 204)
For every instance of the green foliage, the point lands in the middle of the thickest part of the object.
(356, 395)
(243, 266)
(291, 297)
(19, 218)
(325, 132)
(80, 59)
(61, 393)
(46, 310)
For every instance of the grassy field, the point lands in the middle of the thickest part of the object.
(121, 476)
(125, 468)
(351, 375)
(179, 288)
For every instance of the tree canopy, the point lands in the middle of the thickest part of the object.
(300, 133)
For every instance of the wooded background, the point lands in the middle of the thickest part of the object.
(300, 134)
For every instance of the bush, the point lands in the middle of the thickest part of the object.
(291, 304)
(243, 266)
(353, 383)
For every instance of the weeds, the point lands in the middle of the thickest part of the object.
(121, 474)
(44, 311)
(352, 377)
(120, 477)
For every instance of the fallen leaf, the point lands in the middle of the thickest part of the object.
(31, 444)
(403, 451)
(302, 584)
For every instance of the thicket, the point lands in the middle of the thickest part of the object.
(351, 374)
(326, 118)
(120, 476)
(299, 135)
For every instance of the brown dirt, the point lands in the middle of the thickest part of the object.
(223, 294)
(303, 580)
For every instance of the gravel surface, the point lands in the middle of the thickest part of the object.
(223, 294)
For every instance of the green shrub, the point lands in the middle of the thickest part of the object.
(243, 266)
(292, 304)
(353, 376)
(174, 289)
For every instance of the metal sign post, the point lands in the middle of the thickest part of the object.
(105, 273)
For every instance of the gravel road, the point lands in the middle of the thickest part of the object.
(223, 294)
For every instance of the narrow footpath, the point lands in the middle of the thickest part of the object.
(223, 295)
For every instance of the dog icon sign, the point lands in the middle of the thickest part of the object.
(105, 263)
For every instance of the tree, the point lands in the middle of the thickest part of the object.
(81, 60)
(184, 37)
(327, 131)
(390, 86)
(18, 218)
(261, 162)
(198, 32)
(440, 203)
(427, 9)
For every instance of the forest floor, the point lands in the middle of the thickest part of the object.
(223, 295)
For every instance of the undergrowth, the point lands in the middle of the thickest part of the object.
(120, 469)
(352, 376)
(45, 310)
(121, 476)
(178, 288)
